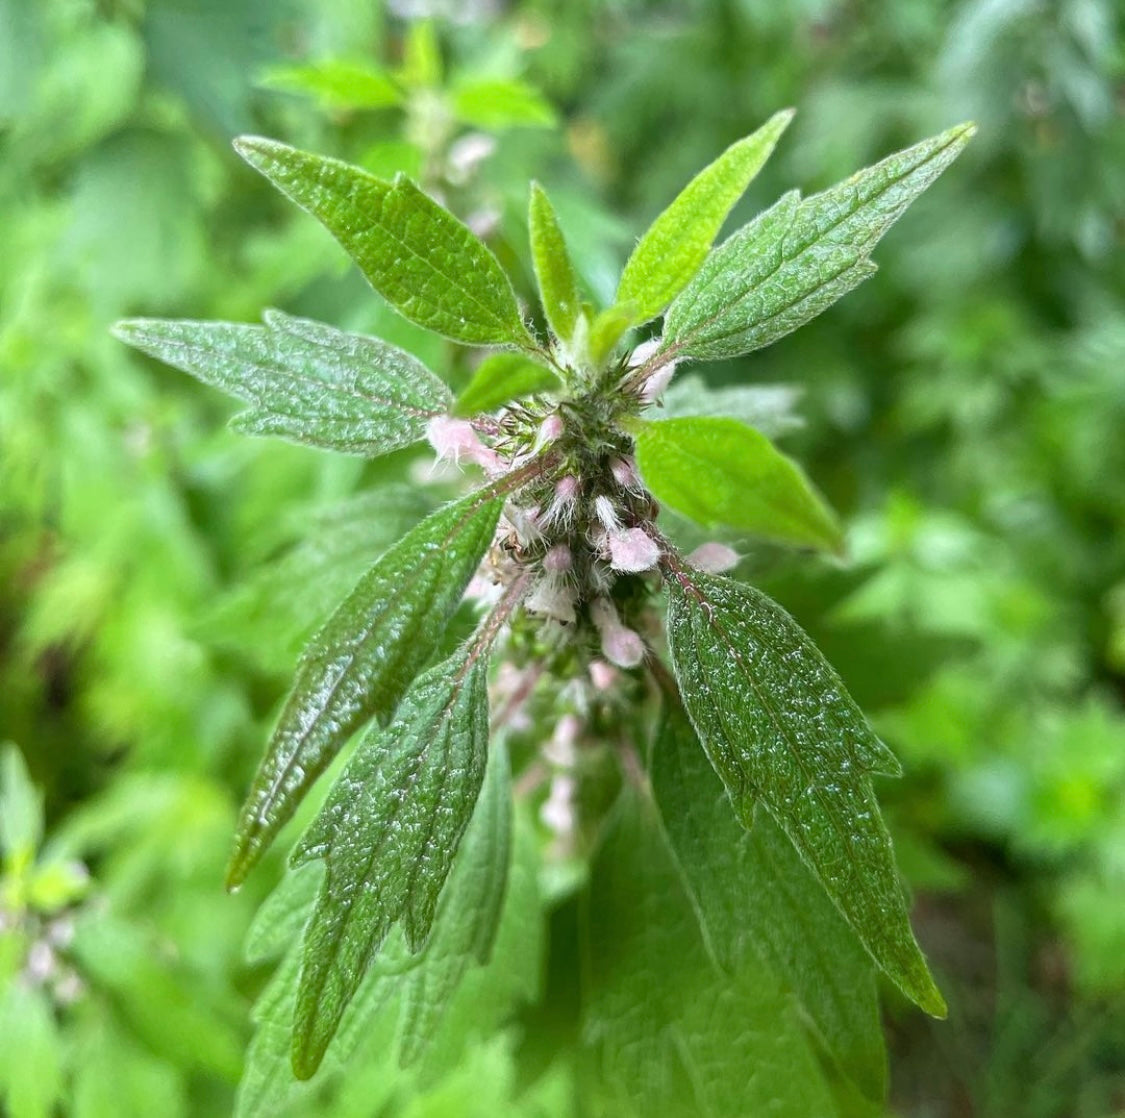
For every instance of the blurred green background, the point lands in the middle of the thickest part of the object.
(964, 410)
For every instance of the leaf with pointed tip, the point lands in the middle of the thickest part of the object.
(498, 103)
(337, 84)
(608, 328)
(676, 244)
(554, 272)
(798, 257)
(304, 381)
(388, 833)
(768, 408)
(469, 911)
(751, 891)
(499, 380)
(362, 661)
(416, 254)
(780, 728)
(666, 1025)
(719, 471)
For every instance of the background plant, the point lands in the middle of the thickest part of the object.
(960, 417)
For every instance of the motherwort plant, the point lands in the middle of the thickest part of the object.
(589, 618)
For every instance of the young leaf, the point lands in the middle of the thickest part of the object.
(668, 1027)
(362, 662)
(469, 911)
(719, 471)
(554, 272)
(21, 812)
(32, 1055)
(415, 253)
(337, 84)
(676, 244)
(797, 258)
(499, 380)
(304, 381)
(751, 891)
(495, 104)
(779, 727)
(608, 328)
(388, 833)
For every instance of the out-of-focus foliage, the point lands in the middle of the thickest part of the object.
(963, 410)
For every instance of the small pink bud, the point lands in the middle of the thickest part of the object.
(602, 675)
(557, 812)
(560, 749)
(620, 646)
(607, 514)
(558, 560)
(633, 551)
(713, 558)
(625, 473)
(453, 438)
(549, 430)
(553, 599)
(657, 381)
(643, 352)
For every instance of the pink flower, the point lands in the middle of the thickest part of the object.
(620, 645)
(633, 550)
(453, 439)
(713, 557)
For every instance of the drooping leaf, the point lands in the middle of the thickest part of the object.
(719, 471)
(751, 891)
(497, 103)
(304, 381)
(798, 257)
(554, 271)
(676, 244)
(672, 1034)
(361, 662)
(469, 911)
(388, 834)
(416, 254)
(768, 408)
(779, 728)
(337, 84)
(499, 380)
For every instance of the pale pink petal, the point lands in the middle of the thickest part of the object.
(633, 550)
(713, 557)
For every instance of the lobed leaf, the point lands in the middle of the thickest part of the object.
(719, 471)
(676, 244)
(499, 380)
(361, 662)
(798, 257)
(554, 272)
(779, 727)
(304, 381)
(416, 254)
(666, 1025)
(388, 834)
(751, 892)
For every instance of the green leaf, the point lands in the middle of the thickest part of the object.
(768, 408)
(388, 833)
(337, 84)
(719, 471)
(666, 1025)
(362, 661)
(421, 56)
(31, 1055)
(21, 811)
(676, 244)
(608, 328)
(415, 253)
(469, 911)
(304, 381)
(780, 728)
(751, 891)
(497, 103)
(797, 258)
(554, 272)
(499, 380)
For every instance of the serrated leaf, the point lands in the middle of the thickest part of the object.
(361, 662)
(554, 271)
(305, 381)
(337, 84)
(751, 891)
(469, 911)
(416, 254)
(388, 834)
(674, 1036)
(499, 380)
(768, 408)
(719, 471)
(798, 257)
(780, 728)
(676, 244)
(497, 103)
